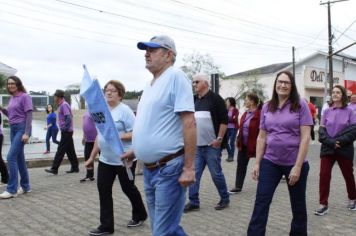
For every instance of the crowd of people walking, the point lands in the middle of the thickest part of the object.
(176, 134)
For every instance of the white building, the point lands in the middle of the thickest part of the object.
(310, 76)
(7, 70)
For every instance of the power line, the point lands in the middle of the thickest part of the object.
(228, 17)
(169, 26)
(344, 31)
(204, 34)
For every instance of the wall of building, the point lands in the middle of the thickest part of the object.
(310, 79)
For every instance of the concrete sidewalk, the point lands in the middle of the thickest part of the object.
(60, 205)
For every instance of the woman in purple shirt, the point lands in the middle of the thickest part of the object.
(52, 128)
(89, 136)
(282, 146)
(337, 133)
(19, 112)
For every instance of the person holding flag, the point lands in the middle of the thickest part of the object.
(164, 137)
(110, 164)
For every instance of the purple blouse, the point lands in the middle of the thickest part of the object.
(246, 125)
(63, 110)
(19, 105)
(336, 119)
(89, 129)
(283, 132)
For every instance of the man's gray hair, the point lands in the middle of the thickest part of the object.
(202, 77)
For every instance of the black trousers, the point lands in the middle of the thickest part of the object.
(312, 132)
(65, 146)
(88, 147)
(242, 163)
(3, 169)
(106, 177)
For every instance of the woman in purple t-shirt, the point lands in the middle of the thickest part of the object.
(337, 133)
(282, 146)
(19, 112)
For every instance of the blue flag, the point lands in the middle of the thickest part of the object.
(99, 111)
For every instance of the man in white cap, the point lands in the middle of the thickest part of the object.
(164, 137)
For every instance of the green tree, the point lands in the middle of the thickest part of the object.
(3, 83)
(251, 84)
(132, 94)
(200, 63)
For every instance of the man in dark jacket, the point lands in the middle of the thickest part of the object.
(211, 118)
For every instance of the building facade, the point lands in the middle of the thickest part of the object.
(310, 75)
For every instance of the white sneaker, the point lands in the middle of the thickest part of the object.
(21, 191)
(2, 184)
(7, 195)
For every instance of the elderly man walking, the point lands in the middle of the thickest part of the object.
(212, 118)
(164, 137)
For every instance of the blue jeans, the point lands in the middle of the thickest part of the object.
(165, 198)
(231, 138)
(16, 160)
(269, 178)
(207, 155)
(51, 132)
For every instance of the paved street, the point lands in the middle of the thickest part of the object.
(60, 205)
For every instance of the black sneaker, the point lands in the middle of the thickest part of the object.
(229, 159)
(72, 171)
(52, 171)
(135, 223)
(98, 231)
(221, 205)
(322, 210)
(189, 207)
(87, 178)
(352, 205)
(234, 191)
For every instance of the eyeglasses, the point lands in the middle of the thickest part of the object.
(110, 90)
(280, 82)
(195, 82)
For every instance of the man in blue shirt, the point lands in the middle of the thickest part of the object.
(164, 137)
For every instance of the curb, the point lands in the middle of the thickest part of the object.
(47, 162)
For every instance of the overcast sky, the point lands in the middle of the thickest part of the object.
(47, 41)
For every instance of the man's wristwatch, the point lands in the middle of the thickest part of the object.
(219, 139)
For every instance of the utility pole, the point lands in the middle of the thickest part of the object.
(330, 40)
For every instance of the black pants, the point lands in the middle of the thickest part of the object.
(65, 146)
(312, 132)
(242, 163)
(88, 147)
(3, 169)
(106, 177)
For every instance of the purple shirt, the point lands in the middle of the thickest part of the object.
(230, 125)
(336, 119)
(245, 126)
(89, 129)
(19, 105)
(353, 106)
(283, 132)
(63, 110)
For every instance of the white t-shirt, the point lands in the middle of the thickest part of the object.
(124, 120)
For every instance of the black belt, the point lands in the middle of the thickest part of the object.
(164, 160)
